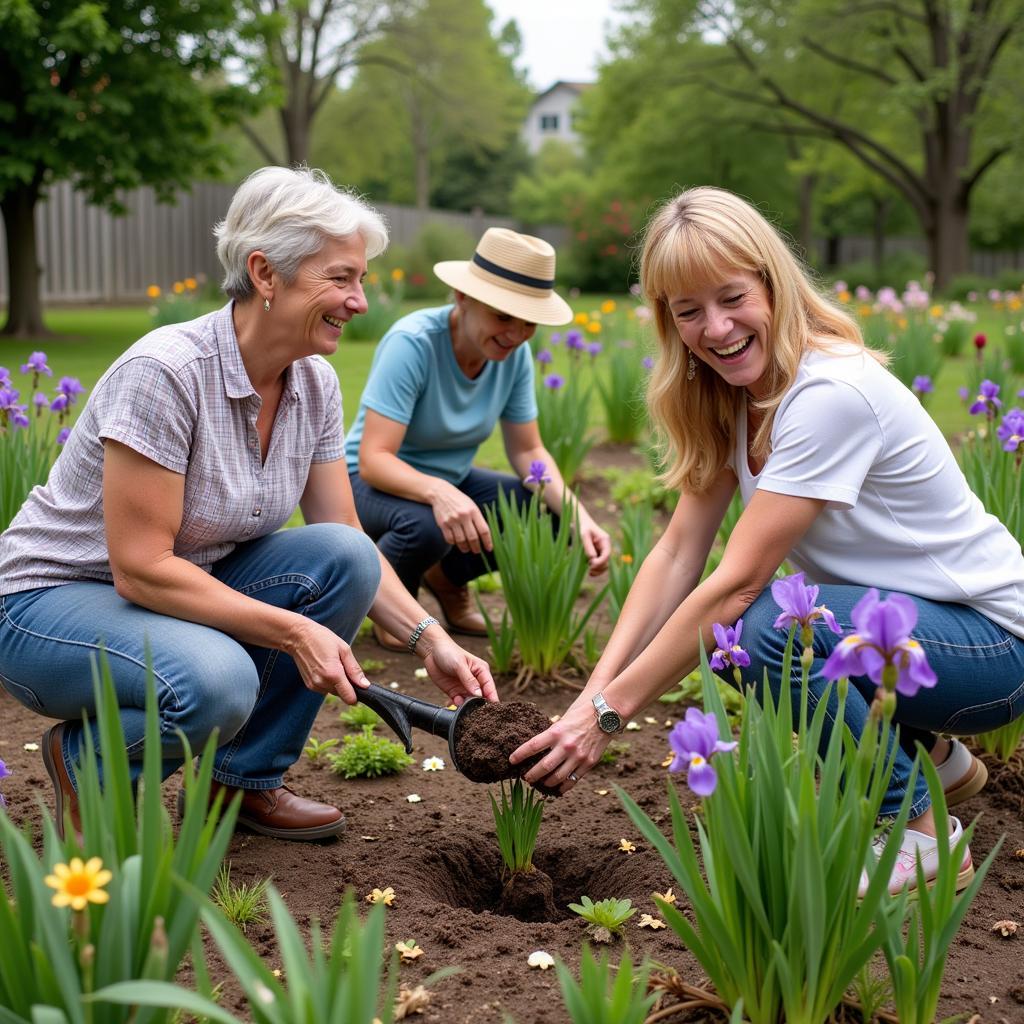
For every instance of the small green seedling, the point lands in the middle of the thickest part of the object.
(243, 904)
(369, 756)
(359, 716)
(614, 750)
(316, 750)
(517, 822)
(605, 917)
(373, 665)
(489, 583)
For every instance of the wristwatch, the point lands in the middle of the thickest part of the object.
(608, 719)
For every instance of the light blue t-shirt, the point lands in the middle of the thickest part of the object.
(414, 379)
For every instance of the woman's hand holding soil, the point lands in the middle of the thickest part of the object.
(574, 744)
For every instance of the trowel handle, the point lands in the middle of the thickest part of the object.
(400, 713)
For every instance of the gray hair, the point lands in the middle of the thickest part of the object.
(288, 215)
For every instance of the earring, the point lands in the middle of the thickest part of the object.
(691, 367)
(266, 306)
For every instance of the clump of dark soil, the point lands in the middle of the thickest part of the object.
(486, 737)
(529, 896)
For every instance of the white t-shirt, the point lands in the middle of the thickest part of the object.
(900, 514)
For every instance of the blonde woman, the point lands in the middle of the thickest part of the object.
(765, 386)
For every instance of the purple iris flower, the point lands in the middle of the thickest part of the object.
(648, 362)
(71, 387)
(922, 385)
(963, 393)
(39, 400)
(594, 348)
(59, 404)
(5, 377)
(556, 338)
(796, 599)
(880, 646)
(37, 364)
(728, 651)
(538, 473)
(18, 416)
(4, 772)
(1011, 430)
(63, 434)
(693, 741)
(987, 400)
(574, 341)
(8, 398)
(544, 357)
(554, 381)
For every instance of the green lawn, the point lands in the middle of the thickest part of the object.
(87, 340)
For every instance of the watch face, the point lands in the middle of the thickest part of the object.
(609, 721)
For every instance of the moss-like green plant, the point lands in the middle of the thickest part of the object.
(244, 903)
(517, 822)
(614, 750)
(359, 716)
(369, 756)
(316, 750)
(609, 914)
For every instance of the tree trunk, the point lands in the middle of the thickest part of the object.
(295, 124)
(879, 218)
(948, 241)
(24, 308)
(805, 227)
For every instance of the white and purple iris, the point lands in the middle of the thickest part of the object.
(37, 364)
(881, 647)
(1011, 430)
(538, 474)
(694, 740)
(987, 400)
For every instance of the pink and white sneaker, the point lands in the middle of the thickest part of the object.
(915, 844)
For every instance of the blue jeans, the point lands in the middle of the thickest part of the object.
(205, 680)
(409, 537)
(980, 668)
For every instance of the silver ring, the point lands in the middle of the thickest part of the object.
(572, 777)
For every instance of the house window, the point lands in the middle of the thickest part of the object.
(549, 122)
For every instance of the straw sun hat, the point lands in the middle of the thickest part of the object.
(512, 273)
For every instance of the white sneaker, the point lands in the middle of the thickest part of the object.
(962, 774)
(917, 844)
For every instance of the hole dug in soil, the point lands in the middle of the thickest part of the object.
(469, 873)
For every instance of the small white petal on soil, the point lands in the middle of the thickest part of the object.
(650, 720)
(421, 673)
(1006, 928)
(602, 792)
(370, 839)
(555, 718)
(633, 727)
(276, 972)
(31, 747)
(433, 764)
(393, 685)
(668, 896)
(263, 994)
(540, 958)
(668, 760)
(668, 723)
(626, 846)
(386, 896)
(414, 798)
(647, 921)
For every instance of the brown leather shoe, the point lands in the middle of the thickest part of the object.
(388, 641)
(460, 613)
(280, 813)
(63, 787)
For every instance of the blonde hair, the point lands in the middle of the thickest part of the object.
(696, 240)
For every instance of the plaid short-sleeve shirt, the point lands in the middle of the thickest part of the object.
(181, 397)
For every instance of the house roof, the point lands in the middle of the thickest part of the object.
(575, 86)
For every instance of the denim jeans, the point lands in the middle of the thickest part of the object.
(980, 669)
(409, 537)
(205, 680)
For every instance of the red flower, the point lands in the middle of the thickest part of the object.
(980, 341)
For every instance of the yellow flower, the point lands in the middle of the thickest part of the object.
(935, 312)
(864, 310)
(153, 291)
(626, 846)
(594, 327)
(179, 287)
(433, 764)
(373, 278)
(626, 559)
(1013, 303)
(902, 322)
(190, 284)
(78, 884)
(844, 296)
(386, 896)
(398, 274)
(608, 306)
(581, 318)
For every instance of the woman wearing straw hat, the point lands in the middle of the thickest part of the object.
(440, 380)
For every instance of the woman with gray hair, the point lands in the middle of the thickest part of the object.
(157, 535)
